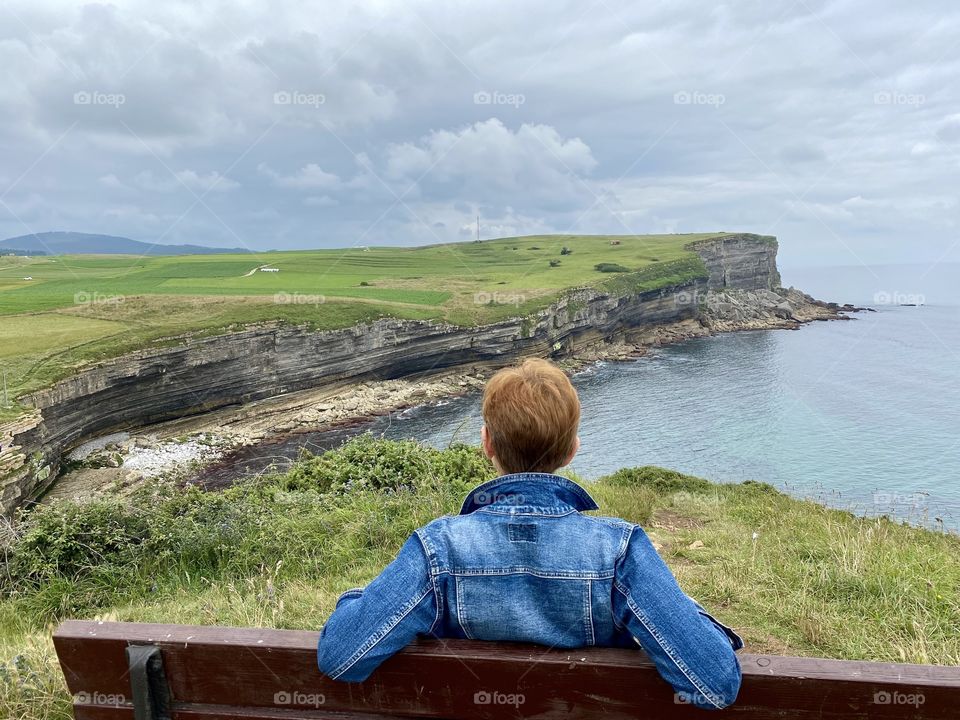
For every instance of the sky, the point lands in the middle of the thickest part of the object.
(834, 125)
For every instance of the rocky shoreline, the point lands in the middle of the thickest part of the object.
(179, 449)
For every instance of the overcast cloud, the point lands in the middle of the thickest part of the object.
(833, 125)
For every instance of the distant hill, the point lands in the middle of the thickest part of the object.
(72, 243)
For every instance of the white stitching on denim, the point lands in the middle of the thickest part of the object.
(428, 550)
(625, 538)
(593, 637)
(549, 575)
(358, 590)
(681, 666)
(719, 625)
(433, 581)
(694, 679)
(460, 618)
(375, 639)
(529, 510)
(438, 602)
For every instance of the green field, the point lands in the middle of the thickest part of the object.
(81, 308)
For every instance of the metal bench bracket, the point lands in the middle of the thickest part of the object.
(151, 695)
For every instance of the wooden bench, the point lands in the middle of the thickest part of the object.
(148, 672)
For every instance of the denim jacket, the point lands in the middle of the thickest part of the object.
(522, 563)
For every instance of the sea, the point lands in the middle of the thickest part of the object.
(862, 414)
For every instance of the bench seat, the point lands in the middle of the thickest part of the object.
(122, 671)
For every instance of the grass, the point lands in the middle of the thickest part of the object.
(79, 309)
(792, 576)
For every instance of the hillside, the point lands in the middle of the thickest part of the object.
(73, 243)
(92, 345)
(61, 312)
(793, 577)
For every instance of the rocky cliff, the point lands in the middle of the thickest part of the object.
(743, 262)
(208, 373)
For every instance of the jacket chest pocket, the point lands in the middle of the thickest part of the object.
(521, 607)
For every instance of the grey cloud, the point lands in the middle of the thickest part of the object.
(310, 177)
(949, 132)
(801, 152)
(831, 124)
(488, 160)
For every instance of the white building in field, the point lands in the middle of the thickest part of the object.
(269, 269)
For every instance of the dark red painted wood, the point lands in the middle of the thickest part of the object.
(258, 674)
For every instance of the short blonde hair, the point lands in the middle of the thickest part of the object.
(531, 412)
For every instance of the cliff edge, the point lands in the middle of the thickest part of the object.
(736, 288)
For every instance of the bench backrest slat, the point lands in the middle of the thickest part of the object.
(216, 672)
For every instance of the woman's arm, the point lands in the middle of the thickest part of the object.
(692, 651)
(370, 625)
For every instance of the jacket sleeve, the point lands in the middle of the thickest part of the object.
(369, 625)
(691, 650)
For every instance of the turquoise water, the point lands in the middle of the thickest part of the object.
(862, 414)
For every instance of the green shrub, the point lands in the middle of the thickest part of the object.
(657, 276)
(758, 487)
(70, 558)
(68, 539)
(367, 463)
(660, 479)
(606, 267)
(195, 529)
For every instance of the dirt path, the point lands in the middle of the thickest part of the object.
(255, 269)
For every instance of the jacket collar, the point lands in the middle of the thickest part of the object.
(525, 492)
